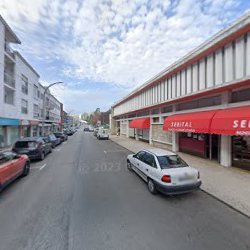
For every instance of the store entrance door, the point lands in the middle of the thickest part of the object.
(212, 145)
(215, 147)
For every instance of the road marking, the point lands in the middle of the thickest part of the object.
(57, 150)
(114, 151)
(105, 152)
(34, 167)
(43, 166)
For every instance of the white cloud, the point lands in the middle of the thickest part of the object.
(115, 41)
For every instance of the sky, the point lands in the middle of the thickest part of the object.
(102, 50)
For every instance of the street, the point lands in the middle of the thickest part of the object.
(83, 197)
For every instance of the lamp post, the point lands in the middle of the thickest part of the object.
(43, 110)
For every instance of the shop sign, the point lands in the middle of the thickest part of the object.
(25, 123)
(241, 126)
(33, 122)
(9, 122)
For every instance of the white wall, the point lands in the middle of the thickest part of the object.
(227, 64)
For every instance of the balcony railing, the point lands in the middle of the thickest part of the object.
(9, 80)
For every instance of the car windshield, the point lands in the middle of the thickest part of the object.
(171, 161)
(52, 137)
(26, 144)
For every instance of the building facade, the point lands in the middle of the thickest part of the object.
(188, 107)
(21, 94)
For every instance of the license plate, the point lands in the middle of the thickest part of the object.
(186, 177)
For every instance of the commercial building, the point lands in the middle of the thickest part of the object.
(200, 104)
(21, 94)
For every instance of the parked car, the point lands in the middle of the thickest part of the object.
(95, 131)
(164, 171)
(68, 132)
(102, 134)
(53, 140)
(91, 129)
(34, 147)
(86, 129)
(12, 166)
(63, 137)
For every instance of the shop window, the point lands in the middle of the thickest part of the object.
(241, 151)
(156, 120)
(2, 141)
(241, 95)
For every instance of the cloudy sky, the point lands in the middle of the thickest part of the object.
(101, 50)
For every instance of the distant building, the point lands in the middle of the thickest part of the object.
(21, 98)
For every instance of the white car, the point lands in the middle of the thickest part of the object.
(102, 134)
(164, 171)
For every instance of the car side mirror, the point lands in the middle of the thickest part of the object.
(17, 156)
(134, 156)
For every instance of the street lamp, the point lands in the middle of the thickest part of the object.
(43, 110)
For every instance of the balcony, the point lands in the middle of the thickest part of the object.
(9, 79)
(9, 51)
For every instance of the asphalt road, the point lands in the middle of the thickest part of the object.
(83, 197)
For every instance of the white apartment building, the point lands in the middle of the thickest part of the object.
(21, 94)
(198, 105)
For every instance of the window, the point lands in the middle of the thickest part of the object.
(35, 92)
(200, 103)
(35, 111)
(24, 106)
(9, 95)
(140, 155)
(156, 119)
(171, 161)
(150, 160)
(241, 95)
(166, 109)
(24, 84)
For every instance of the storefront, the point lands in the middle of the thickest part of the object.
(222, 135)
(9, 131)
(34, 127)
(25, 128)
(194, 133)
(141, 128)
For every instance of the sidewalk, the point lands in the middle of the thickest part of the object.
(231, 185)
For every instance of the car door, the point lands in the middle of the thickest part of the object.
(139, 164)
(6, 168)
(150, 167)
(17, 164)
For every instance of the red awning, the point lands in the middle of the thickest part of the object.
(197, 122)
(142, 123)
(232, 121)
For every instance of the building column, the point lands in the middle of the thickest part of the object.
(150, 131)
(136, 134)
(226, 151)
(127, 130)
(175, 141)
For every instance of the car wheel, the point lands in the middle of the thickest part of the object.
(50, 151)
(129, 166)
(26, 169)
(151, 187)
(42, 156)
(98, 137)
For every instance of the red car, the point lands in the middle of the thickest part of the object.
(12, 166)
